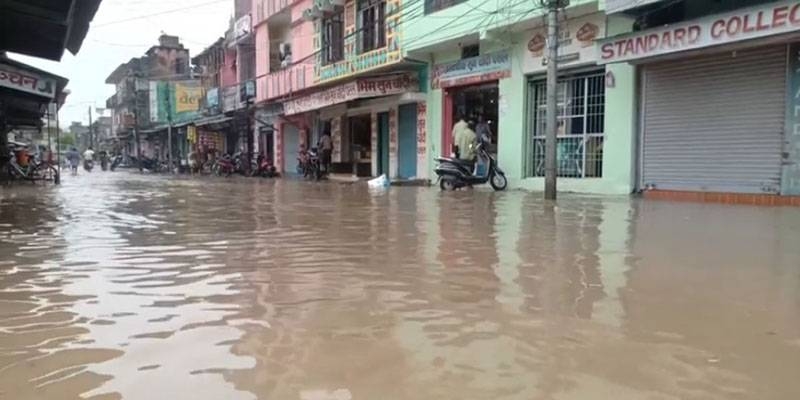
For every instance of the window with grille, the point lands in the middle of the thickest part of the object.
(333, 38)
(581, 121)
(372, 15)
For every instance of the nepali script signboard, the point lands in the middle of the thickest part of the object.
(26, 81)
(361, 88)
(487, 67)
(744, 24)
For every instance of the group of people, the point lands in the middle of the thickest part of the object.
(74, 157)
(466, 134)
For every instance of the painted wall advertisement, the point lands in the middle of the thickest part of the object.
(744, 24)
(360, 88)
(487, 67)
(575, 46)
(175, 101)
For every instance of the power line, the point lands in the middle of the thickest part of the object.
(174, 10)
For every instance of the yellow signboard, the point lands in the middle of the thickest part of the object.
(187, 98)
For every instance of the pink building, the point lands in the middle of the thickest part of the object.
(336, 67)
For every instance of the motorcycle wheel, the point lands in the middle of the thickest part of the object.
(498, 182)
(447, 185)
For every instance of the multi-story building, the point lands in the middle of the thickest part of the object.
(338, 67)
(487, 63)
(227, 71)
(131, 105)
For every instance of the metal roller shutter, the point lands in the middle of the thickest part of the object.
(715, 123)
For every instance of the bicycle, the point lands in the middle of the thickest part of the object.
(34, 171)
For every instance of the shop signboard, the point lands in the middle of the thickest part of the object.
(743, 24)
(790, 179)
(361, 88)
(27, 81)
(242, 27)
(575, 46)
(175, 101)
(230, 98)
(487, 67)
(212, 98)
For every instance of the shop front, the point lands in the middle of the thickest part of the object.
(718, 104)
(470, 89)
(581, 97)
(26, 93)
(365, 118)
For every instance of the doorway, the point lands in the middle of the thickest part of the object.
(383, 143)
(407, 140)
(477, 103)
(360, 144)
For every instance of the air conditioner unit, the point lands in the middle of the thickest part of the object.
(323, 5)
(311, 14)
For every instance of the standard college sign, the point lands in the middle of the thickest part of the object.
(748, 23)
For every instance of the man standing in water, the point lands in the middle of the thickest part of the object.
(325, 150)
(465, 140)
(74, 159)
(459, 126)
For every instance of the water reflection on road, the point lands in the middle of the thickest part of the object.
(141, 287)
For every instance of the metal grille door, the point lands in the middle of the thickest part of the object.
(715, 123)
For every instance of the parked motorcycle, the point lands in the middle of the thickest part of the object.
(224, 166)
(263, 167)
(311, 166)
(150, 164)
(455, 173)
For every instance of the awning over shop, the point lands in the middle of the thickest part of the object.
(214, 123)
(357, 89)
(44, 28)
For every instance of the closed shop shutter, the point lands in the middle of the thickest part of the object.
(715, 123)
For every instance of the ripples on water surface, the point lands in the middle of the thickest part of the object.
(141, 287)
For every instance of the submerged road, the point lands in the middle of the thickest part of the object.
(118, 285)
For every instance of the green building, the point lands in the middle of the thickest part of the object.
(486, 62)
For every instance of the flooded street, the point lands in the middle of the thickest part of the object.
(117, 285)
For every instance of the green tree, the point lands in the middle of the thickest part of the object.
(67, 140)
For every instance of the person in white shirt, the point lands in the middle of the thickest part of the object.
(458, 127)
(88, 154)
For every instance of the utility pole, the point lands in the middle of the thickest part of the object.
(91, 129)
(136, 128)
(248, 159)
(550, 141)
(169, 129)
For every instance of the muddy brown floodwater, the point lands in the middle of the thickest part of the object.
(117, 285)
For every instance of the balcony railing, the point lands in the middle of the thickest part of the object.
(285, 81)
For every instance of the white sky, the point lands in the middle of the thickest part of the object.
(105, 47)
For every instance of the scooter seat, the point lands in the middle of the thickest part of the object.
(466, 163)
